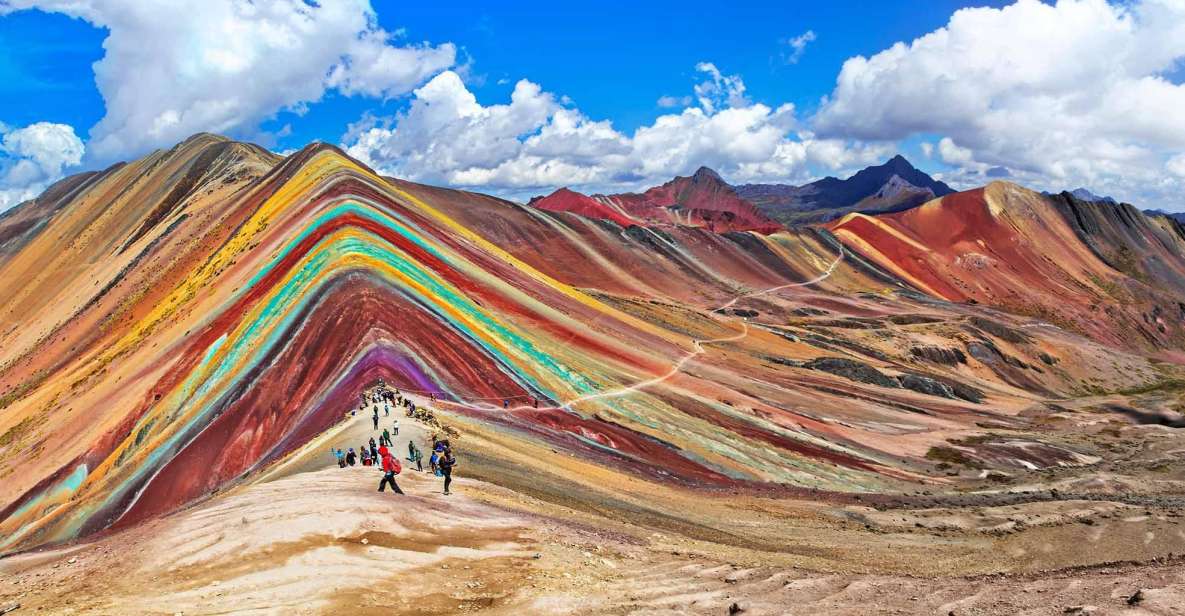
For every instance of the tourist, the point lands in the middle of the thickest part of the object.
(385, 439)
(395, 427)
(376, 418)
(446, 464)
(390, 469)
(374, 451)
(339, 456)
(351, 457)
(365, 456)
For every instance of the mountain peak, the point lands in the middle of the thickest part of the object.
(1085, 194)
(706, 174)
(895, 184)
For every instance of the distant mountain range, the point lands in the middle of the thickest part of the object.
(894, 186)
(702, 200)
(1177, 216)
(706, 200)
(1084, 194)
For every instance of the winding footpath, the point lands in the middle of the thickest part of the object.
(698, 349)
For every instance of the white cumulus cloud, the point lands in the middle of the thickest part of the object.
(176, 67)
(1077, 92)
(33, 157)
(719, 90)
(539, 141)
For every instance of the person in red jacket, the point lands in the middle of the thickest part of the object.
(390, 469)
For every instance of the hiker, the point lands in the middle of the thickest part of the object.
(376, 418)
(374, 451)
(386, 411)
(383, 452)
(365, 457)
(505, 403)
(411, 451)
(446, 464)
(419, 460)
(351, 457)
(385, 439)
(390, 469)
(432, 460)
(339, 456)
(396, 427)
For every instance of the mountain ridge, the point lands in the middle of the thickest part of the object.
(182, 322)
(892, 186)
(702, 199)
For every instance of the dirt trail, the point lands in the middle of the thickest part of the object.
(697, 350)
(324, 542)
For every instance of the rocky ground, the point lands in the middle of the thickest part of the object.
(309, 538)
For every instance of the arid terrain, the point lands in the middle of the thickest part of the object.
(971, 406)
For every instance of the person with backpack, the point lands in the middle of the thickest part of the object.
(339, 456)
(351, 457)
(376, 418)
(385, 439)
(374, 451)
(391, 468)
(446, 464)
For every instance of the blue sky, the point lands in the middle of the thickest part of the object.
(611, 62)
(614, 59)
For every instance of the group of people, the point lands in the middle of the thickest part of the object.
(377, 453)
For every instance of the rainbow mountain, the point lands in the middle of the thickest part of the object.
(179, 323)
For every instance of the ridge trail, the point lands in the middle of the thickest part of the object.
(698, 350)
